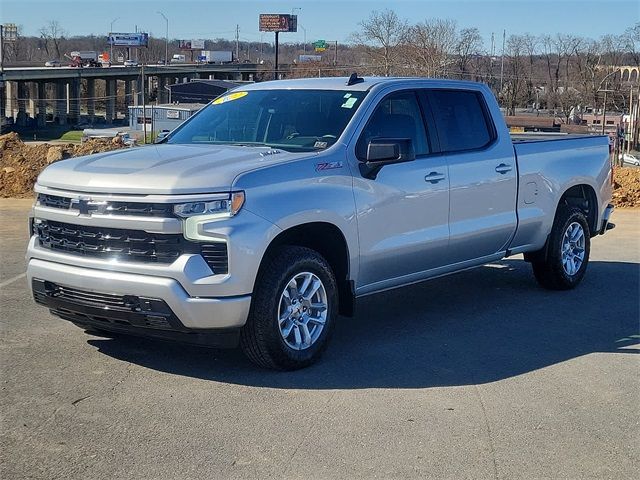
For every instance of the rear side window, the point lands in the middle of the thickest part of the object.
(461, 120)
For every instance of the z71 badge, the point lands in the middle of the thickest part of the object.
(328, 166)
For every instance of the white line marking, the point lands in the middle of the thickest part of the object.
(11, 280)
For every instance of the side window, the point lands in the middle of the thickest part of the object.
(397, 116)
(460, 119)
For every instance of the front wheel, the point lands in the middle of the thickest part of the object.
(567, 251)
(292, 311)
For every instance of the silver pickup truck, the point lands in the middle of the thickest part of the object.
(262, 218)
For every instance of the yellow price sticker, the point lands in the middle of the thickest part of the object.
(230, 97)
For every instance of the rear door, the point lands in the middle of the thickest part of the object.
(482, 175)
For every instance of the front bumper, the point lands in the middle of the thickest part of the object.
(129, 314)
(193, 313)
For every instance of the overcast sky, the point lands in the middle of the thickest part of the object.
(328, 20)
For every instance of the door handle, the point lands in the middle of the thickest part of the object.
(434, 177)
(503, 168)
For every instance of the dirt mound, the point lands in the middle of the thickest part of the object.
(626, 187)
(20, 163)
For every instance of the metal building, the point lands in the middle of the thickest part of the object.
(161, 117)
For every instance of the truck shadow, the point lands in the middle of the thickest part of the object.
(479, 326)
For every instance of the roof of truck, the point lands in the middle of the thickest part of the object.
(340, 83)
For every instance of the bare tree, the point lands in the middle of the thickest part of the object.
(530, 46)
(631, 41)
(430, 46)
(588, 63)
(469, 46)
(514, 85)
(53, 35)
(382, 35)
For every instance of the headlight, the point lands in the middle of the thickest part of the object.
(224, 208)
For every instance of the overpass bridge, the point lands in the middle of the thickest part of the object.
(31, 92)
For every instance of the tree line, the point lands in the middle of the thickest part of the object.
(559, 72)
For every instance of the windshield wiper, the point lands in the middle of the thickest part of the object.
(249, 144)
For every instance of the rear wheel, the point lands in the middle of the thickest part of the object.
(292, 311)
(567, 251)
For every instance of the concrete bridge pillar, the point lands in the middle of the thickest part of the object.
(10, 92)
(32, 106)
(60, 105)
(42, 104)
(21, 118)
(74, 97)
(138, 91)
(110, 114)
(91, 100)
(163, 94)
(128, 97)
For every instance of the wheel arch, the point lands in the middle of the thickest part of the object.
(582, 196)
(329, 241)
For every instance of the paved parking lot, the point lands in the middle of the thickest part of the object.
(478, 375)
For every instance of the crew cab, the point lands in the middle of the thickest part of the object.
(260, 220)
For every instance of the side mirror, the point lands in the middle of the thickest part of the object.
(386, 151)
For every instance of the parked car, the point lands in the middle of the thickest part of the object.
(131, 63)
(266, 214)
(162, 135)
(630, 159)
(52, 63)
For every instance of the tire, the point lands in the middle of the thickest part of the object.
(263, 337)
(556, 270)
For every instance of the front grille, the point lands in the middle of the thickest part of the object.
(85, 297)
(126, 245)
(143, 209)
(53, 201)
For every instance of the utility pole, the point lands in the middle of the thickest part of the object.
(493, 54)
(604, 110)
(166, 40)
(1, 48)
(629, 130)
(111, 39)
(144, 107)
(238, 42)
(504, 38)
(275, 72)
(335, 55)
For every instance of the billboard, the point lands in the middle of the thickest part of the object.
(128, 39)
(278, 22)
(191, 44)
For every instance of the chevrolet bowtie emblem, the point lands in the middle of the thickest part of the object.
(85, 206)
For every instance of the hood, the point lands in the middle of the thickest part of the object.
(161, 169)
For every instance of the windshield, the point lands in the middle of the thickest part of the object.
(293, 120)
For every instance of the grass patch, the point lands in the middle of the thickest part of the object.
(72, 136)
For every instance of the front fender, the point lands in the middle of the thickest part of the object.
(298, 193)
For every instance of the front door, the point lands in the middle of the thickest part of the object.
(403, 212)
